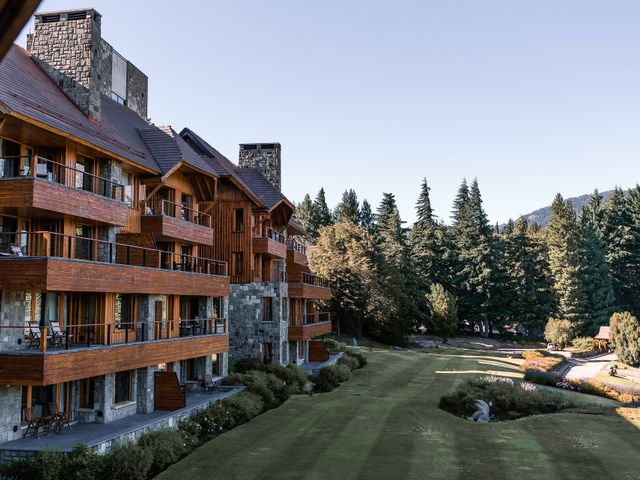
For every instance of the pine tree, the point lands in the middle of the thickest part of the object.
(595, 272)
(565, 263)
(321, 213)
(349, 208)
(304, 214)
(621, 236)
(367, 221)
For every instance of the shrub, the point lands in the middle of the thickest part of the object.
(542, 378)
(128, 462)
(584, 343)
(166, 447)
(270, 388)
(362, 360)
(540, 360)
(334, 345)
(509, 400)
(243, 406)
(81, 463)
(331, 377)
(350, 362)
(247, 364)
(45, 465)
(558, 331)
(625, 332)
(292, 375)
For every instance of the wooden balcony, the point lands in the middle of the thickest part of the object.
(33, 367)
(307, 285)
(170, 222)
(269, 242)
(54, 262)
(30, 197)
(50, 187)
(310, 326)
(296, 253)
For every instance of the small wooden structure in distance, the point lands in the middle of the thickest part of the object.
(602, 338)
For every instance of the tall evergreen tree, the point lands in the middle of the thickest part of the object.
(367, 221)
(565, 263)
(321, 213)
(621, 236)
(305, 214)
(349, 208)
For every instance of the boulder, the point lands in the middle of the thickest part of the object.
(483, 412)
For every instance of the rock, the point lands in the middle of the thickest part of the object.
(483, 414)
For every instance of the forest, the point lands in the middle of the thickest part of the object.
(390, 280)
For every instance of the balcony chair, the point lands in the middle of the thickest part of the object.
(208, 384)
(60, 417)
(58, 336)
(35, 424)
(36, 332)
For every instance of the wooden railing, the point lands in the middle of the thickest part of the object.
(50, 170)
(44, 337)
(268, 232)
(160, 206)
(49, 244)
(296, 246)
(311, 319)
(311, 279)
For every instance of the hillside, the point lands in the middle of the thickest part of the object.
(542, 215)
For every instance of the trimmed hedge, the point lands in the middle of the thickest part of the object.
(166, 448)
(334, 345)
(362, 360)
(350, 362)
(331, 377)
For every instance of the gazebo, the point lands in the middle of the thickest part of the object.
(602, 338)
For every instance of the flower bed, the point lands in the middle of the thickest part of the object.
(541, 360)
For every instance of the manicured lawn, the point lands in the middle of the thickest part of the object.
(385, 423)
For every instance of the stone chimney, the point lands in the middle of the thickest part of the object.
(265, 157)
(69, 46)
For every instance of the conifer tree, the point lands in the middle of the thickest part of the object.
(565, 264)
(321, 213)
(304, 214)
(621, 236)
(349, 208)
(367, 221)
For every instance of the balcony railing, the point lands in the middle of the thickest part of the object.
(160, 206)
(296, 246)
(311, 279)
(48, 337)
(49, 244)
(268, 232)
(52, 171)
(311, 319)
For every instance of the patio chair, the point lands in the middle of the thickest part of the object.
(35, 333)
(208, 385)
(34, 424)
(61, 418)
(16, 251)
(58, 336)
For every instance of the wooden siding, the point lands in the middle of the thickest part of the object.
(41, 195)
(22, 368)
(304, 290)
(176, 229)
(297, 258)
(298, 333)
(64, 275)
(267, 246)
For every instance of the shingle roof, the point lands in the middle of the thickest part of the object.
(604, 333)
(26, 89)
(168, 148)
(261, 187)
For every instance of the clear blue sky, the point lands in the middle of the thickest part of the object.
(532, 97)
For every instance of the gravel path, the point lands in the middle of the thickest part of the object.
(585, 368)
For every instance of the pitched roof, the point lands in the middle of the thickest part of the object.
(261, 187)
(168, 149)
(604, 333)
(27, 90)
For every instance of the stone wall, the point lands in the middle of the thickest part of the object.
(69, 47)
(246, 328)
(266, 157)
(10, 406)
(107, 410)
(13, 310)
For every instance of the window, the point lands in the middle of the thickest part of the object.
(118, 98)
(83, 245)
(125, 311)
(191, 369)
(267, 309)
(215, 364)
(237, 263)
(9, 158)
(187, 207)
(84, 169)
(87, 389)
(238, 222)
(123, 387)
(300, 349)
(129, 191)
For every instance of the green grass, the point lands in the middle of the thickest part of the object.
(385, 423)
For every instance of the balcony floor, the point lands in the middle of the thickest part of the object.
(95, 434)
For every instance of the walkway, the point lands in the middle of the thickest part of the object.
(586, 368)
(100, 435)
(313, 368)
